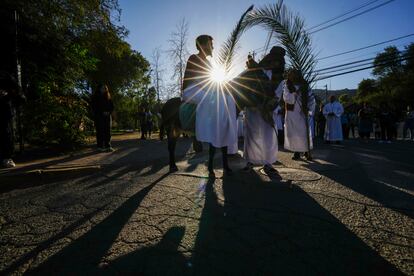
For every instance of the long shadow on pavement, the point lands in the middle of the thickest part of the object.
(264, 228)
(84, 254)
(369, 175)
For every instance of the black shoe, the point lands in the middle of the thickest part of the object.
(308, 156)
(268, 169)
(296, 156)
(173, 169)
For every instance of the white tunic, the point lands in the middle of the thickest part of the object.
(295, 121)
(260, 140)
(333, 126)
(215, 116)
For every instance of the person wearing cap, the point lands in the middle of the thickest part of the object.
(260, 136)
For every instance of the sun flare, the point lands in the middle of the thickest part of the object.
(218, 74)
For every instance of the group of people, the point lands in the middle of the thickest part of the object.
(216, 118)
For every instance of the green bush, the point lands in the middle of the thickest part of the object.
(51, 119)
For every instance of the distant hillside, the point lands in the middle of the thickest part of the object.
(321, 93)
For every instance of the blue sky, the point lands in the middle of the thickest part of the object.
(150, 23)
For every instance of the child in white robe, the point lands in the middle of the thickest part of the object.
(295, 119)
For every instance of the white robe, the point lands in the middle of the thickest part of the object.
(295, 121)
(333, 126)
(215, 116)
(278, 118)
(260, 138)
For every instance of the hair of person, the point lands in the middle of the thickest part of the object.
(202, 40)
(107, 94)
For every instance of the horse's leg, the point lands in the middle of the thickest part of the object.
(172, 141)
(197, 145)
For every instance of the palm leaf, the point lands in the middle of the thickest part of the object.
(228, 49)
(290, 31)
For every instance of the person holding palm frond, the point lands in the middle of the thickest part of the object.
(261, 143)
(296, 132)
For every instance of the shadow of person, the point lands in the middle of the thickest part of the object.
(160, 259)
(83, 255)
(250, 226)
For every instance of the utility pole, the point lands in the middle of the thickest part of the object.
(326, 93)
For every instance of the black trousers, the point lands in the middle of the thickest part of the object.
(387, 131)
(103, 131)
(280, 137)
(211, 153)
(6, 138)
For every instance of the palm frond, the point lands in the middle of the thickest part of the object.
(289, 29)
(228, 49)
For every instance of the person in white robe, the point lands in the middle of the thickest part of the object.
(333, 127)
(295, 120)
(216, 109)
(260, 140)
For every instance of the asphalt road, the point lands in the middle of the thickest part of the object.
(348, 212)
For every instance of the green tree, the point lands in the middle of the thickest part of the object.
(65, 47)
(388, 62)
(366, 87)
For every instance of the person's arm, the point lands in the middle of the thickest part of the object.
(190, 71)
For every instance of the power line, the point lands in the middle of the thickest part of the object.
(361, 69)
(366, 47)
(353, 16)
(342, 15)
(355, 62)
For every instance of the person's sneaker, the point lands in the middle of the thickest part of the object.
(8, 163)
(296, 156)
(269, 169)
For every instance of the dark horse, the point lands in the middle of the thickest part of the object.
(251, 88)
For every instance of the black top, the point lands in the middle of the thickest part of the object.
(100, 105)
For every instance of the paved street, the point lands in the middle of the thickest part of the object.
(348, 212)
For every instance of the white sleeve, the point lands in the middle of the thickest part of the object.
(339, 109)
(325, 110)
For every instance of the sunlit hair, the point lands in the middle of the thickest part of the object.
(203, 40)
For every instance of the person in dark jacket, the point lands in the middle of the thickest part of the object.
(103, 107)
(386, 121)
(9, 99)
